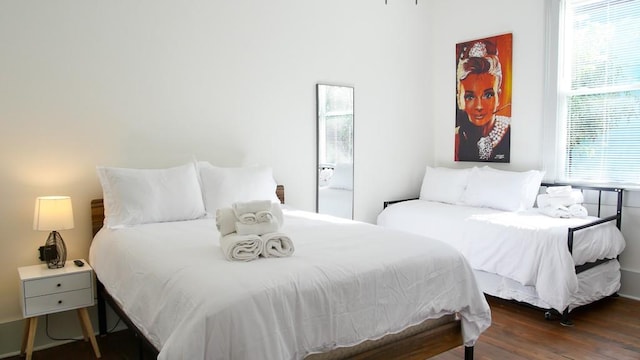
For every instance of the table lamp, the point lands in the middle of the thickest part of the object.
(53, 213)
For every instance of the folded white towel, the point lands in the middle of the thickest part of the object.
(247, 218)
(264, 216)
(225, 221)
(274, 212)
(277, 245)
(559, 190)
(241, 247)
(579, 211)
(257, 228)
(556, 211)
(574, 197)
(253, 206)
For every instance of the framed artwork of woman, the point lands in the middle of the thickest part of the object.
(483, 99)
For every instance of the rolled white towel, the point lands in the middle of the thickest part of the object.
(579, 211)
(277, 245)
(556, 211)
(257, 228)
(561, 190)
(253, 206)
(574, 197)
(241, 247)
(225, 221)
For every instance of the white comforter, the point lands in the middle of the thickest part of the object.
(346, 282)
(528, 247)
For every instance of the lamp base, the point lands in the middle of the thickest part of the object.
(55, 259)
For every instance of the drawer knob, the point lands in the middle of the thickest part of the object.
(59, 301)
(59, 285)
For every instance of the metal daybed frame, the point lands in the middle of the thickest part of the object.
(565, 320)
(564, 316)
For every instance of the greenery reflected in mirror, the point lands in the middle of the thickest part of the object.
(334, 195)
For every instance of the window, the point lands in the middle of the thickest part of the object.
(598, 91)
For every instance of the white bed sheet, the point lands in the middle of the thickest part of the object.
(347, 282)
(593, 284)
(528, 247)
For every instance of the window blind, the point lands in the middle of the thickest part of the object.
(600, 91)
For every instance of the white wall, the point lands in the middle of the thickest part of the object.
(527, 21)
(154, 83)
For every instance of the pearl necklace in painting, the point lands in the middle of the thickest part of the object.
(487, 143)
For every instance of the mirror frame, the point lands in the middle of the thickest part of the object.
(318, 132)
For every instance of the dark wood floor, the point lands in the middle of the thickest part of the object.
(609, 329)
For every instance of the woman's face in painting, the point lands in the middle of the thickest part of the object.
(480, 97)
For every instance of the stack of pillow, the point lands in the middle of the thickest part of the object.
(482, 187)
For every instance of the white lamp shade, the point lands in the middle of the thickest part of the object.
(53, 213)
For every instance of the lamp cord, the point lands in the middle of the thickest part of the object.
(46, 318)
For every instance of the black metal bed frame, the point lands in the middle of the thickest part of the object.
(103, 298)
(565, 320)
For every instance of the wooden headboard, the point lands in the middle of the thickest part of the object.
(97, 210)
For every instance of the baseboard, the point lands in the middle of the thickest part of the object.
(630, 284)
(64, 325)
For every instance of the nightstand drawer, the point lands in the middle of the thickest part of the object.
(58, 302)
(57, 284)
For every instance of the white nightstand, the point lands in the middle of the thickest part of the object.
(47, 291)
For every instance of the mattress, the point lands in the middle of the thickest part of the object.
(346, 283)
(527, 247)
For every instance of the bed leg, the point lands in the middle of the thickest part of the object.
(565, 318)
(140, 348)
(102, 311)
(468, 353)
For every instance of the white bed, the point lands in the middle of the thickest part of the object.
(526, 252)
(516, 251)
(347, 283)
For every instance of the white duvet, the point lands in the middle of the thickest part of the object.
(345, 283)
(528, 247)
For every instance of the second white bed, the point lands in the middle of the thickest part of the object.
(519, 255)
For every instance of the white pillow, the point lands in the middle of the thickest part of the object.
(342, 177)
(139, 196)
(533, 189)
(444, 184)
(221, 187)
(502, 190)
(530, 186)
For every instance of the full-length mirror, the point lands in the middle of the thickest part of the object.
(334, 194)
